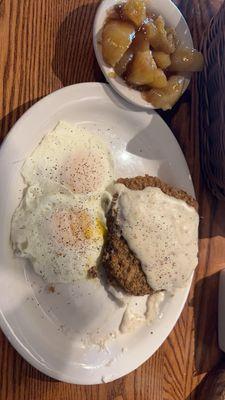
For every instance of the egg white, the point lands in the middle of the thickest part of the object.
(61, 233)
(72, 157)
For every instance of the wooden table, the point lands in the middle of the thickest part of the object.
(45, 45)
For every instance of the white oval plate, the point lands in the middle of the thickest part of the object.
(173, 17)
(53, 331)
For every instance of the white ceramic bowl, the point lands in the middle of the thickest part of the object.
(173, 17)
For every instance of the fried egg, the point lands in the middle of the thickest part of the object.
(72, 157)
(61, 233)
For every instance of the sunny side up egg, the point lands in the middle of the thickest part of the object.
(71, 157)
(60, 223)
(60, 233)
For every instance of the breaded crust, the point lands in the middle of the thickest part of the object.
(141, 182)
(121, 265)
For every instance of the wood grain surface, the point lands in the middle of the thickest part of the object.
(45, 45)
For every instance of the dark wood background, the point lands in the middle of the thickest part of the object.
(45, 45)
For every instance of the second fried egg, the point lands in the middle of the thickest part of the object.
(72, 157)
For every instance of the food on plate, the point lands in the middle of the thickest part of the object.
(121, 66)
(165, 97)
(185, 59)
(152, 241)
(92, 272)
(140, 309)
(143, 66)
(162, 59)
(116, 38)
(163, 40)
(76, 223)
(72, 157)
(136, 309)
(144, 70)
(62, 234)
(60, 223)
(146, 53)
(135, 11)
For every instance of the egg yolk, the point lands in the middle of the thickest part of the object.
(76, 226)
(100, 227)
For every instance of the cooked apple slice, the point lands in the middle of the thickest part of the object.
(135, 11)
(121, 67)
(186, 59)
(142, 68)
(162, 59)
(166, 97)
(140, 42)
(116, 38)
(150, 30)
(162, 41)
(159, 79)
